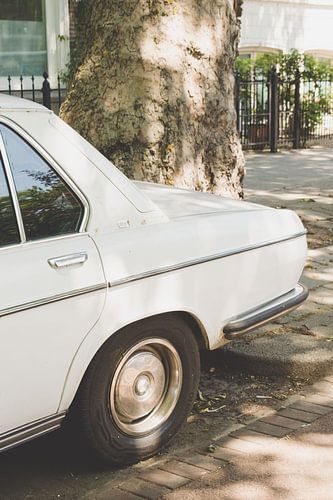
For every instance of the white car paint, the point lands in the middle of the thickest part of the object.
(151, 249)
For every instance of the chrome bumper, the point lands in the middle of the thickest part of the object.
(263, 314)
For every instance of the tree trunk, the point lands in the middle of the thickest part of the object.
(154, 90)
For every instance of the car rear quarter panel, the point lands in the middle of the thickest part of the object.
(212, 292)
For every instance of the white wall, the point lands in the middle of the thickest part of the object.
(306, 25)
(57, 24)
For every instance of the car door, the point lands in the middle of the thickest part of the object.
(52, 282)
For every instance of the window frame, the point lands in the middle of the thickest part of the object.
(8, 180)
(255, 50)
(325, 54)
(59, 171)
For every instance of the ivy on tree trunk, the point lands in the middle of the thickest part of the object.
(153, 89)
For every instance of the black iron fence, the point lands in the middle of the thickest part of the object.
(37, 89)
(275, 112)
(272, 112)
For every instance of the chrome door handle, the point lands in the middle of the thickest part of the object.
(68, 260)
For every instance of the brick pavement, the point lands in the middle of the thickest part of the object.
(230, 454)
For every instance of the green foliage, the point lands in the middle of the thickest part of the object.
(244, 67)
(62, 38)
(287, 65)
(316, 70)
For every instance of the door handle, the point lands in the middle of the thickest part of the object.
(68, 260)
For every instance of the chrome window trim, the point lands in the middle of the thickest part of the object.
(25, 433)
(53, 164)
(202, 260)
(51, 299)
(43, 241)
(12, 191)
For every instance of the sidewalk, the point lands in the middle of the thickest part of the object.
(300, 180)
(299, 343)
(286, 455)
(280, 457)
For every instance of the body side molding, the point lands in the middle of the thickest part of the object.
(54, 298)
(27, 432)
(202, 260)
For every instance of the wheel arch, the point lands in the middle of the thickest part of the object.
(86, 353)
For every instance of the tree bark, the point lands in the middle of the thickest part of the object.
(154, 90)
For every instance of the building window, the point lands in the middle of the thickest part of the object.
(253, 52)
(325, 56)
(23, 49)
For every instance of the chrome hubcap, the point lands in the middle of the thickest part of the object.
(146, 386)
(142, 385)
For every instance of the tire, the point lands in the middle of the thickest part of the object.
(139, 390)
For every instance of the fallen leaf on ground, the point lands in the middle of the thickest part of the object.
(211, 448)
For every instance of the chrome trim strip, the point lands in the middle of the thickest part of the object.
(265, 313)
(43, 241)
(202, 260)
(12, 190)
(52, 162)
(30, 431)
(54, 298)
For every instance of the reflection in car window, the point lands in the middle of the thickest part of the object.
(9, 233)
(48, 206)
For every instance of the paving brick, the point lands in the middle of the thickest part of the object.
(270, 430)
(225, 454)
(203, 461)
(283, 421)
(252, 436)
(239, 445)
(303, 416)
(186, 470)
(117, 494)
(142, 489)
(165, 478)
(320, 399)
(311, 408)
(323, 387)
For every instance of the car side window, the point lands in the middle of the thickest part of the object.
(9, 233)
(48, 206)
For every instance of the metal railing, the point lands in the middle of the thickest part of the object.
(272, 112)
(36, 89)
(275, 112)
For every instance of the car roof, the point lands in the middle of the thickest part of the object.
(10, 102)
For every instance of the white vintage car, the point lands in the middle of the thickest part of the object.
(110, 288)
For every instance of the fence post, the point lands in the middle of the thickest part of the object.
(21, 86)
(59, 91)
(33, 88)
(297, 112)
(46, 90)
(274, 111)
(237, 99)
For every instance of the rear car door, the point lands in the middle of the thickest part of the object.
(52, 287)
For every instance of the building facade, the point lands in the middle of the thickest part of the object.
(34, 38)
(283, 25)
(35, 35)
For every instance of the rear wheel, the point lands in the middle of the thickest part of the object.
(139, 389)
